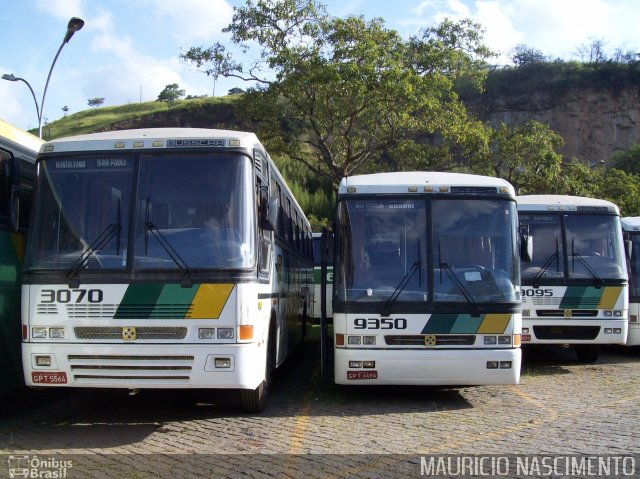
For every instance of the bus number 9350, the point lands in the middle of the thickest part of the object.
(383, 323)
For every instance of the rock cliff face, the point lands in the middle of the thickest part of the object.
(594, 123)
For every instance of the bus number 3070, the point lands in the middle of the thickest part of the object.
(384, 323)
(71, 295)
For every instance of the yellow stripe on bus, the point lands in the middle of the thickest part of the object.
(494, 324)
(609, 297)
(209, 301)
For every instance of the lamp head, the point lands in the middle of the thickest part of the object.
(73, 26)
(9, 76)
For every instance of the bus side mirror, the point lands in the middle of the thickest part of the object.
(269, 214)
(526, 244)
(628, 247)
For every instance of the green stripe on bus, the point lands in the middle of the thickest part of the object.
(174, 301)
(581, 297)
(466, 324)
(452, 323)
(139, 301)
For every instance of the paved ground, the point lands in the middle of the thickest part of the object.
(560, 407)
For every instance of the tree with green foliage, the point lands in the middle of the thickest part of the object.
(171, 94)
(344, 95)
(628, 161)
(525, 155)
(95, 102)
(524, 55)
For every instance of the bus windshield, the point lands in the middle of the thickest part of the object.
(588, 250)
(189, 211)
(421, 250)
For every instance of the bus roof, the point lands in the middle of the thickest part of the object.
(563, 203)
(631, 223)
(155, 138)
(424, 181)
(19, 140)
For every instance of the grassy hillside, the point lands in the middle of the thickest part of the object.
(211, 112)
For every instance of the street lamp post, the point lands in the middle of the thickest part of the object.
(12, 77)
(73, 26)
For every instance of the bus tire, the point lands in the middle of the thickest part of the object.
(587, 353)
(254, 400)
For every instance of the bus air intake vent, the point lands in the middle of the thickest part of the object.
(142, 333)
(566, 332)
(114, 369)
(91, 310)
(559, 313)
(441, 340)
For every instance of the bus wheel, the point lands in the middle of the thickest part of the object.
(254, 401)
(587, 353)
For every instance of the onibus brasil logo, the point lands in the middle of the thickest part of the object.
(38, 467)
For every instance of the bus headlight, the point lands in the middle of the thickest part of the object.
(225, 333)
(43, 361)
(490, 340)
(222, 363)
(56, 333)
(504, 340)
(206, 333)
(38, 333)
(354, 339)
(368, 340)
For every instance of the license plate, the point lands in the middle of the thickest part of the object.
(362, 374)
(49, 377)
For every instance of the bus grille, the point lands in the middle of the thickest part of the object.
(566, 332)
(441, 340)
(142, 333)
(111, 369)
(559, 313)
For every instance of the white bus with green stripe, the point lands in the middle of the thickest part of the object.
(575, 288)
(631, 228)
(163, 258)
(426, 280)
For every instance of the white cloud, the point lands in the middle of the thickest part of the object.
(61, 8)
(192, 20)
(557, 28)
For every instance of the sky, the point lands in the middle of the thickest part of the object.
(129, 50)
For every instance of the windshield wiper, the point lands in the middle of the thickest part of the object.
(598, 280)
(396, 293)
(455, 280)
(162, 240)
(545, 266)
(103, 239)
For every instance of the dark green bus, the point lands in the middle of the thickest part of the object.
(18, 150)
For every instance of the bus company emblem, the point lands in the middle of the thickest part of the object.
(129, 333)
(429, 340)
(567, 313)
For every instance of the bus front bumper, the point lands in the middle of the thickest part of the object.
(462, 367)
(138, 366)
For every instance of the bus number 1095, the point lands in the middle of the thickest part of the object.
(383, 323)
(537, 292)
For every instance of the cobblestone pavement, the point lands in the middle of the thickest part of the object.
(560, 407)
